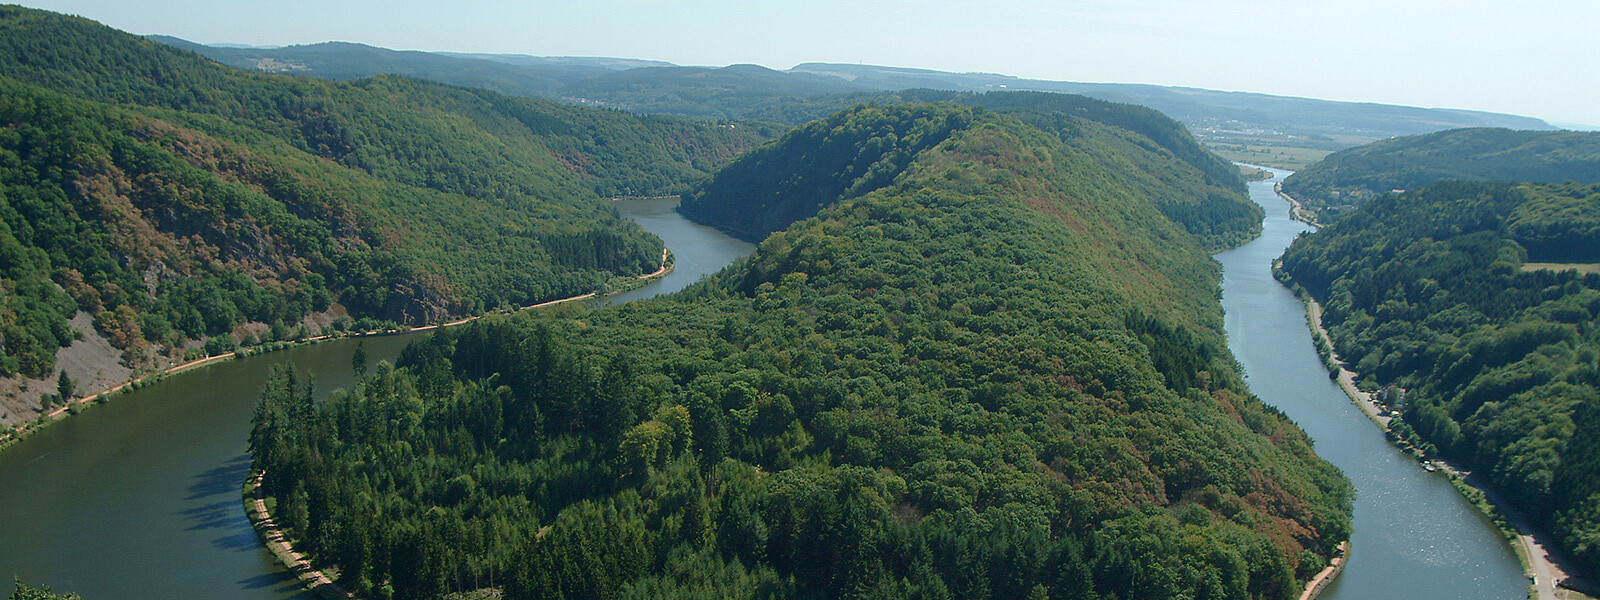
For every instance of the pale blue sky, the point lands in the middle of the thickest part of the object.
(1538, 58)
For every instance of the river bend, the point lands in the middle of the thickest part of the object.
(139, 498)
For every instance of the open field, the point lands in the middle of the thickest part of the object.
(1254, 174)
(1278, 157)
(1583, 268)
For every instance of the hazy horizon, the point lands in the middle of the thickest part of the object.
(1535, 61)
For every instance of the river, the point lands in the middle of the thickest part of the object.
(697, 250)
(1415, 536)
(139, 498)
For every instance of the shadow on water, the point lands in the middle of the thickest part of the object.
(239, 539)
(282, 583)
(266, 580)
(209, 516)
(224, 479)
(223, 511)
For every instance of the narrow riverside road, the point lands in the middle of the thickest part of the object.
(273, 536)
(1346, 378)
(1323, 579)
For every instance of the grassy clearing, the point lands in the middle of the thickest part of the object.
(1583, 268)
(1278, 157)
(1253, 174)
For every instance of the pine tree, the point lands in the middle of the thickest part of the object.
(65, 389)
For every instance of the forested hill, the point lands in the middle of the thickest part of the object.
(1435, 292)
(1002, 375)
(1344, 180)
(813, 90)
(860, 150)
(175, 199)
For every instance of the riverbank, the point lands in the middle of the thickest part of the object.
(1345, 377)
(73, 407)
(1297, 209)
(255, 507)
(1329, 573)
(1542, 560)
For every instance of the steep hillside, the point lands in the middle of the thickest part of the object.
(847, 155)
(174, 199)
(1195, 188)
(1001, 374)
(1344, 180)
(1431, 291)
(857, 151)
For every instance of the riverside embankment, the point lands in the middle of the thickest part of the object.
(72, 406)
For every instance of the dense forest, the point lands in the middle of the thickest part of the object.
(1432, 292)
(1342, 181)
(853, 153)
(174, 199)
(1000, 373)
